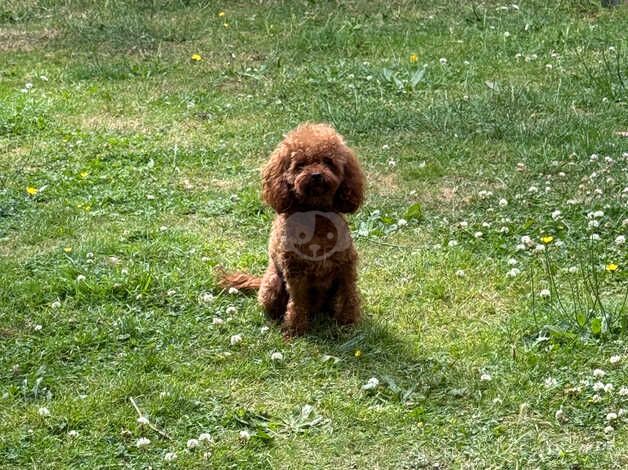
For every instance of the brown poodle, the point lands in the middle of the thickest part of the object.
(311, 179)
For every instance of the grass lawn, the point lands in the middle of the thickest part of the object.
(492, 241)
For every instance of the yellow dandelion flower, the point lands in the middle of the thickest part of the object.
(612, 267)
(31, 190)
(547, 239)
(221, 14)
(413, 58)
(84, 174)
(196, 57)
(67, 249)
(226, 25)
(358, 353)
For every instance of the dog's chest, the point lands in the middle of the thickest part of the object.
(314, 241)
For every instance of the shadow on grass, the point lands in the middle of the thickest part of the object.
(406, 372)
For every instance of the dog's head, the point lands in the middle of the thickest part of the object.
(313, 169)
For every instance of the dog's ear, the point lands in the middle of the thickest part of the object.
(276, 190)
(350, 194)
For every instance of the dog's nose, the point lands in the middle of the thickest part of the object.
(317, 176)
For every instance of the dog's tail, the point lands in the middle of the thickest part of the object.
(241, 281)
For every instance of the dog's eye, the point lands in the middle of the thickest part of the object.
(328, 161)
(299, 165)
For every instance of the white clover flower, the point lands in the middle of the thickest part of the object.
(573, 269)
(385, 147)
(264, 329)
(608, 387)
(442, 61)
(56, 304)
(550, 382)
(192, 443)
(539, 248)
(506, 34)
(231, 310)
(596, 398)
(235, 339)
(593, 223)
(171, 292)
(233, 291)
(620, 240)
(207, 297)
(623, 391)
(392, 163)
(460, 273)
(503, 202)
(504, 229)
(486, 225)
(402, 222)
(452, 243)
(614, 359)
(276, 356)
(562, 174)
(478, 234)
(37, 327)
(514, 272)
(527, 241)
(80, 278)
(544, 293)
(611, 416)
(485, 194)
(163, 228)
(560, 415)
(556, 215)
(73, 433)
(598, 214)
(549, 66)
(598, 386)
(559, 243)
(43, 411)
(595, 237)
(170, 456)
(533, 189)
(512, 261)
(143, 420)
(609, 429)
(485, 377)
(593, 157)
(520, 247)
(372, 383)
(463, 224)
(598, 373)
(142, 442)
(205, 437)
(218, 321)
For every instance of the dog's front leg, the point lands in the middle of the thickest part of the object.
(346, 302)
(297, 315)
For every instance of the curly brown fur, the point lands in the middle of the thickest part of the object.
(311, 179)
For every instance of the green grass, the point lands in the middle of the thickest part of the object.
(146, 166)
